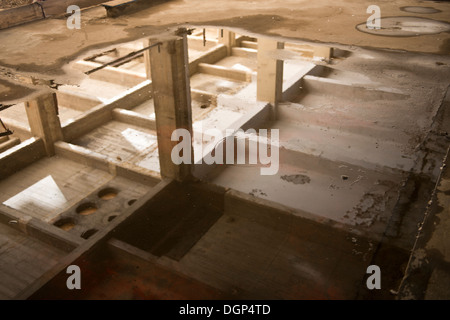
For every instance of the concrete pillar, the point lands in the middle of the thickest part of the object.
(148, 71)
(43, 119)
(228, 38)
(323, 52)
(172, 97)
(270, 72)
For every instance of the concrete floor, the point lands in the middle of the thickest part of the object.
(362, 140)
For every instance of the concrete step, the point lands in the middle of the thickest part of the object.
(319, 189)
(337, 145)
(344, 89)
(345, 120)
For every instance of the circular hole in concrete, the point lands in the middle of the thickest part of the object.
(131, 202)
(65, 224)
(107, 193)
(86, 209)
(111, 218)
(416, 9)
(88, 233)
(406, 27)
(204, 106)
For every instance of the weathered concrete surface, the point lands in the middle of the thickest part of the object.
(427, 275)
(44, 47)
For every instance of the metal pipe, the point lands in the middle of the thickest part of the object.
(124, 58)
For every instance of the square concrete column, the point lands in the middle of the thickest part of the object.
(172, 98)
(323, 52)
(270, 72)
(43, 119)
(148, 71)
(228, 38)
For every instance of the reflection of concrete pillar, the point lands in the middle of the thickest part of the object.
(323, 52)
(43, 119)
(228, 38)
(172, 97)
(148, 71)
(270, 72)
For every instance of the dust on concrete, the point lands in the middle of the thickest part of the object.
(258, 192)
(369, 209)
(296, 178)
(7, 4)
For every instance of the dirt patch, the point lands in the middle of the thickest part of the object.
(296, 178)
(6, 4)
(257, 192)
(369, 209)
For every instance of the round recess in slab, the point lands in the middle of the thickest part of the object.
(405, 27)
(65, 224)
(88, 233)
(86, 208)
(131, 202)
(107, 193)
(417, 9)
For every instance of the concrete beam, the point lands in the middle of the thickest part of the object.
(20, 156)
(19, 15)
(9, 144)
(38, 229)
(76, 100)
(306, 51)
(244, 52)
(198, 44)
(211, 56)
(224, 72)
(102, 113)
(87, 121)
(270, 72)
(4, 139)
(105, 163)
(172, 97)
(249, 44)
(111, 74)
(20, 130)
(131, 117)
(43, 119)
